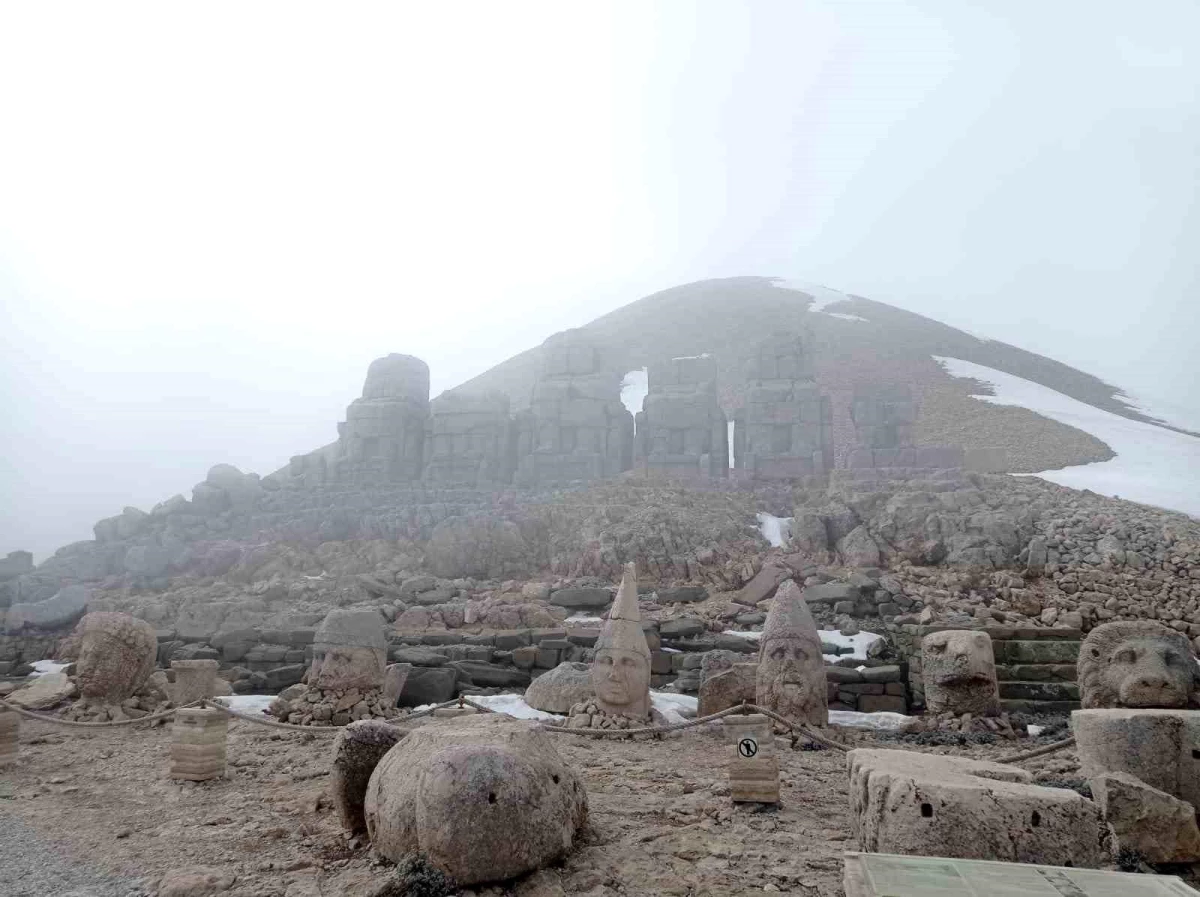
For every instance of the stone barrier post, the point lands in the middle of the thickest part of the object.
(753, 766)
(198, 744)
(194, 679)
(10, 730)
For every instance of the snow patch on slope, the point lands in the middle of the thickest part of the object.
(634, 387)
(821, 295)
(776, 530)
(1154, 465)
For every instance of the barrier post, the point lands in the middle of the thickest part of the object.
(198, 744)
(10, 731)
(754, 765)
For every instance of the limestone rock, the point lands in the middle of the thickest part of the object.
(116, 656)
(959, 671)
(1137, 663)
(394, 679)
(349, 650)
(1161, 828)
(197, 881)
(482, 546)
(727, 688)
(65, 607)
(790, 679)
(483, 798)
(357, 750)
(930, 805)
(858, 548)
(1158, 747)
(44, 692)
(561, 688)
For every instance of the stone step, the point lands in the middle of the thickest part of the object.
(1035, 652)
(1038, 707)
(1039, 691)
(1037, 672)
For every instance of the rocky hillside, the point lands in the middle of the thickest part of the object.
(855, 341)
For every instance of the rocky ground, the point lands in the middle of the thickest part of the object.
(661, 819)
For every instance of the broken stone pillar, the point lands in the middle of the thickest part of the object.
(382, 439)
(791, 671)
(753, 764)
(576, 428)
(785, 428)
(194, 679)
(1151, 823)
(911, 803)
(682, 431)
(198, 744)
(959, 673)
(1160, 747)
(10, 731)
(470, 440)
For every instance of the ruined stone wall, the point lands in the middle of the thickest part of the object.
(382, 439)
(576, 428)
(785, 428)
(885, 417)
(470, 440)
(682, 431)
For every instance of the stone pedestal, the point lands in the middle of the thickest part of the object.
(194, 679)
(198, 744)
(1160, 747)
(753, 763)
(10, 730)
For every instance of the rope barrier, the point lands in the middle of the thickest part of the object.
(42, 717)
(1038, 752)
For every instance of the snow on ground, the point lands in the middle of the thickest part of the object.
(250, 704)
(42, 667)
(859, 643)
(729, 442)
(822, 295)
(776, 530)
(834, 314)
(583, 618)
(1154, 466)
(634, 387)
(675, 708)
(512, 705)
(884, 720)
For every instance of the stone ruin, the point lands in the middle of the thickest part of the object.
(470, 440)
(681, 430)
(885, 419)
(791, 669)
(345, 681)
(785, 429)
(576, 428)
(1137, 663)
(116, 656)
(481, 797)
(959, 670)
(382, 439)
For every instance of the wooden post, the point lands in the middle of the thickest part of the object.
(198, 744)
(10, 730)
(753, 766)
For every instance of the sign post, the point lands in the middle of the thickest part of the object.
(754, 765)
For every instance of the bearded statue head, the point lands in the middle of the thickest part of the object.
(791, 670)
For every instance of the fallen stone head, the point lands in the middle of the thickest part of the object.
(959, 672)
(1137, 663)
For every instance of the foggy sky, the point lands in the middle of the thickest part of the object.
(213, 217)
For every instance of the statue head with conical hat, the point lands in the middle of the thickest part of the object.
(791, 670)
(621, 670)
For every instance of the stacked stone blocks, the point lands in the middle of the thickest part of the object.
(470, 440)
(382, 439)
(682, 431)
(198, 744)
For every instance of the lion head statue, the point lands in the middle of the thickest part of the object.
(1137, 663)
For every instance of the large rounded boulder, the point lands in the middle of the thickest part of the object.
(561, 688)
(116, 656)
(483, 798)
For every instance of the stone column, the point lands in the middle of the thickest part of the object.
(194, 679)
(10, 730)
(753, 764)
(198, 744)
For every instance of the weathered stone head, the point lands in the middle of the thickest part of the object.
(791, 670)
(116, 656)
(1137, 663)
(349, 650)
(621, 670)
(959, 671)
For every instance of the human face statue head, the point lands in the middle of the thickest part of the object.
(620, 677)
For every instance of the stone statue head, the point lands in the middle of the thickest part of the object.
(621, 669)
(349, 650)
(1137, 663)
(116, 656)
(791, 670)
(959, 671)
